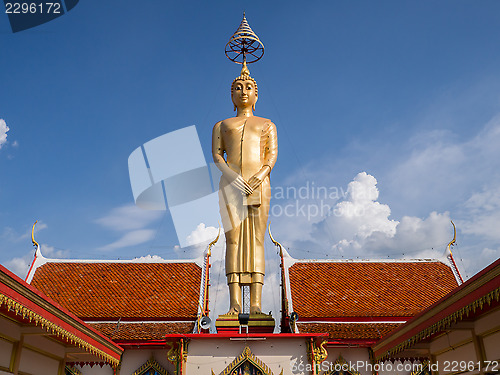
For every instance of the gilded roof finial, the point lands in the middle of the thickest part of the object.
(449, 255)
(454, 240)
(276, 243)
(33, 235)
(209, 251)
(244, 46)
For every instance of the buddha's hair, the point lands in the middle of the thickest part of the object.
(245, 78)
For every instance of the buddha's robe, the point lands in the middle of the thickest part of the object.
(248, 144)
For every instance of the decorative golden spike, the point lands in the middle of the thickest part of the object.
(454, 240)
(209, 252)
(33, 235)
(276, 243)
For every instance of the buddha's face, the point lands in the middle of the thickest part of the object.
(244, 94)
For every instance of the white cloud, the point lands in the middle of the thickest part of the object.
(132, 220)
(441, 169)
(128, 217)
(15, 144)
(360, 226)
(3, 132)
(51, 252)
(201, 235)
(10, 234)
(483, 215)
(360, 215)
(135, 237)
(38, 227)
(149, 259)
(20, 265)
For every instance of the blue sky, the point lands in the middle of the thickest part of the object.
(406, 92)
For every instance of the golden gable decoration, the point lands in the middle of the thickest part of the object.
(245, 361)
(151, 364)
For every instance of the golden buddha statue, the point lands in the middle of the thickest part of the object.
(245, 149)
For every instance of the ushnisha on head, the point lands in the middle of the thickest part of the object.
(244, 91)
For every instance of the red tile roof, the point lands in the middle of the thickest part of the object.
(142, 331)
(367, 289)
(110, 291)
(349, 331)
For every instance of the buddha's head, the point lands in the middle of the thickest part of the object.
(244, 91)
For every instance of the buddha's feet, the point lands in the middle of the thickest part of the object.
(255, 310)
(233, 310)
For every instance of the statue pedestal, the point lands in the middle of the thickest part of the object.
(257, 323)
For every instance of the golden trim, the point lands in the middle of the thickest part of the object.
(152, 363)
(235, 323)
(172, 354)
(54, 329)
(247, 356)
(319, 352)
(12, 340)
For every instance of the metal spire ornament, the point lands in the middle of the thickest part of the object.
(244, 46)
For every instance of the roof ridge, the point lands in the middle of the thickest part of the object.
(373, 260)
(39, 260)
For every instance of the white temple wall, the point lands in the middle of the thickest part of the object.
(278, 354)
(96, 370)
(10, 329)
(46, 344)
(492, 347)
(487, 322)
(35, 363)
(39, 355)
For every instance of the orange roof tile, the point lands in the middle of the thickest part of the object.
(142, 331)
(122, 290)
(349, 331)
(365, 289)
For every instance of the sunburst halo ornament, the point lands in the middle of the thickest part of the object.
(244, 46)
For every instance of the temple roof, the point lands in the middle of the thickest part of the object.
(339, 289)
(126, 331)
(350, 331)
(359, 301)
(97, 291)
